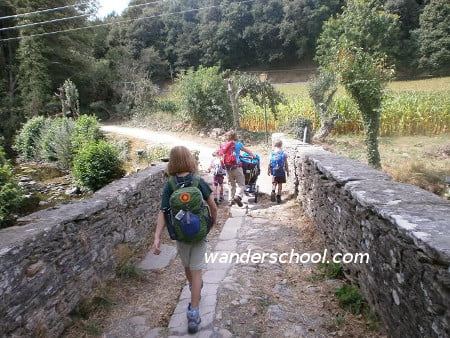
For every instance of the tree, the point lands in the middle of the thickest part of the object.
(302, 24)
(262, 93)
(365, 77)
(357, 46)
(434, 37)
(34, 80)
(321, 90)
(203, 98)
(263, 36)
(408, 12)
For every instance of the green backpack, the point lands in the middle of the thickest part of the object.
(188, 218)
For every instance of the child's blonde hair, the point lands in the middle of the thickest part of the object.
(181, 160)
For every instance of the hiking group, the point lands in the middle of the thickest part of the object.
(189, 206)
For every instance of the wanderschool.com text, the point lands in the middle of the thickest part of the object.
(250, 257)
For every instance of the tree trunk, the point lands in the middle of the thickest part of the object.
(372, 126)
(326, 123)
(234, 105)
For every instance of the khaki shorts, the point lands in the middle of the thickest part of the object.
(193, 254)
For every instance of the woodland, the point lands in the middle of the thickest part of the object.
(118, 61)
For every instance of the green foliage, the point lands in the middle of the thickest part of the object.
(362, 24)
(129, 271)
(11, 118)
(433, 37)
(97, 164)
(71, 98)
(203, 98)
(55, 142)
(297, 126)
(86, 130)
(322, 88)
(27, 142)
(349, 298)
(11, 197)
(34, 79)
(156, 152)
(332, 270)
(167, 106)
(357, 45)
(261, 93)
(365, 78)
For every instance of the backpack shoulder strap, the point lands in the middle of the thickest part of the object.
(173, 183)
(195, 181)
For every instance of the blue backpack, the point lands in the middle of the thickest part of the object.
(277, 164)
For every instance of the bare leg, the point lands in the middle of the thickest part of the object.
(196, 282)
(280, 187)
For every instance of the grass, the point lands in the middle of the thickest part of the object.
(427, 85)
(420, 160)
(420, 107)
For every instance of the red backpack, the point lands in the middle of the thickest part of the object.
(228, 155)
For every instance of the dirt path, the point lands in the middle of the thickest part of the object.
(253, 300)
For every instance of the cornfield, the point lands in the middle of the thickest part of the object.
(403, 112)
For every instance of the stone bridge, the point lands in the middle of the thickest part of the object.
(57, 257)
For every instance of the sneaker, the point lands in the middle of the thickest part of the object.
(238, 201)
(193, 317)
(278, 198)
(272, 196)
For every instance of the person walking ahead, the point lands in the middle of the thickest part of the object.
(278, 168)
(229, 152)
(188, 228)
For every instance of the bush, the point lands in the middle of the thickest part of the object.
(86, 130)
(55, 142)
(97, 164)
(10, 194)
(27, 142)
(203, 98)
(349, 298)
(11, 118)
(156, 152)
(297, 128)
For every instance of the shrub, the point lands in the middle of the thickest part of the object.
(332, 270)
(97, 164)
(86, 130)
(156, 152)
(297, 128)
(55, 142)
(349, 298)
(203, 98)
(27, 142)
(10, 194)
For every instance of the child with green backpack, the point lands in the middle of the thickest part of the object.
(189, 211)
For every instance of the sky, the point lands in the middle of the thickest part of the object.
(108, 6)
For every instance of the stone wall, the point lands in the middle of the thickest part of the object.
(60, 255)
(406, 231)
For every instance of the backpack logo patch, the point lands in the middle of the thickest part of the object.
(185, 197)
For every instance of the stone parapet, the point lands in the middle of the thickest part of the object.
(58, 256)
(404, 229)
